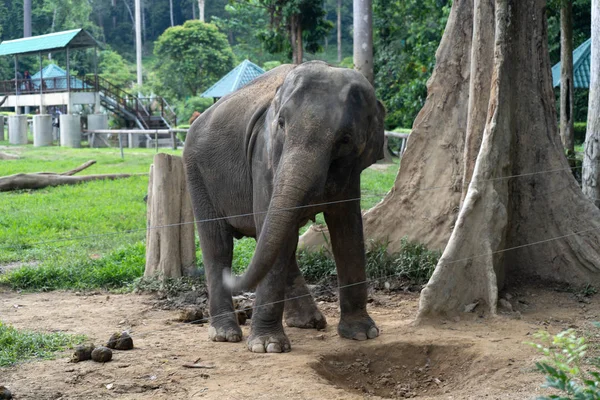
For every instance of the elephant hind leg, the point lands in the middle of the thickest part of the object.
(300, 308)
(216, 241)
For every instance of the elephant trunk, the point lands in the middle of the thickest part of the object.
(296, 182)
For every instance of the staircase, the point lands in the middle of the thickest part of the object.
(144, 113)
(3, 100)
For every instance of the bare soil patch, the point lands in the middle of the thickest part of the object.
(466, 358)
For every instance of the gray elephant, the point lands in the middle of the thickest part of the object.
(263, 161)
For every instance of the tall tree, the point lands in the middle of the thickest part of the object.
(171, 12)
(295, 26)
(339, 30)
(26, 18)
(201, 10)
(591, 159)
(363, 38)
(191, 57)
(567, 133)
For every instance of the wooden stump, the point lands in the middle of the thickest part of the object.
(170, 245)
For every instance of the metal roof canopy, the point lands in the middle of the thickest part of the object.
(73, 39)
(235, 79)
(581, 67)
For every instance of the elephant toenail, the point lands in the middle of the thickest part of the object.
(273, 348)
(373, 332)
(360, 336)
(258, 348)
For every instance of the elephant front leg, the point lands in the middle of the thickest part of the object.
(345, 227)
(267, 334)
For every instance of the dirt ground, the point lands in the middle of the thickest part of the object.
(467, 358)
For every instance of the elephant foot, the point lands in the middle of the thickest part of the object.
(225, 331)
(358, 328)
(311, 319)
(274, 342)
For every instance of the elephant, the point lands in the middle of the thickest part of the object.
(262, 162)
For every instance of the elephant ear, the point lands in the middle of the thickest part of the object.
(375, 138)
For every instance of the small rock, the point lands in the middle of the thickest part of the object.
(102, 354)
(110, 386)
(120, 341)
(508, 296)
(5, 393)
(82, 353)
(471, 307)
(320, 337)
(192, 314)
(505, 304)
(387, 285)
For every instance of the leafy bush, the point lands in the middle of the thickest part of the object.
(414, 262)
(269, 65)
(18, 345)
(565, 354)
(580, 129)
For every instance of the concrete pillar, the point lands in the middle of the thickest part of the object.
(95, 122)
(42, 130)
(134, 140)
(70, 130)
(2, 128)
(17, 129)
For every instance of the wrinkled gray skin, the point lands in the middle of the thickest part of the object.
(296, 136)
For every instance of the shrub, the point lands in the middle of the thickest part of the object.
(580, 129)
(269, 65)
(414, 262)
(562, 366)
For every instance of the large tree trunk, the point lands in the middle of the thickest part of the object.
(567, 133)
(201, 10)
(363, 38)
(591, 158)
(170, 239)
(339, 30)
(535, 223)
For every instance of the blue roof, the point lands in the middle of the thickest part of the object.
(54, 71)
(235, 79)
(581, 67)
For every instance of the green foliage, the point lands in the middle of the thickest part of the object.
(285, 15)
(580, 129)
(414, 262)
(186, 108)
(115, 69)
(406, 37)
(563, 366)
(20, 345)
(117, 269)
(190, 58)
(269, 65)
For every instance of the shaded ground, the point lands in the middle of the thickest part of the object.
(470, 358)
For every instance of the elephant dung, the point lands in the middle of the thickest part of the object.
(120, 341)
(192, 315)
(102, 354)
(82, 353)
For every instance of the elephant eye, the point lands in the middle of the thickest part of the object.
(345, 139)
(281, 122)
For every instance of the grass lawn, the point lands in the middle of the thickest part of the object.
(91, 235)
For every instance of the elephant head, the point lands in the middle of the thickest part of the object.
(323, 126)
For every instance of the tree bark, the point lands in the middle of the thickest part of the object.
(299, 44)
(201, 10)
(170, 240)
(293, 32)
(534, 224)
(567, 133)
(363, 38)
(171, 12)
(339, 30)
(591, 158)
(42, 180)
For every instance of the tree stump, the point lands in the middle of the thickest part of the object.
(170, 241)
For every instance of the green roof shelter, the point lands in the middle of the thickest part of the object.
(581, 67)
(37, 45)
(235, 79)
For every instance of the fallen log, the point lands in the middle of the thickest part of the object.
(6, 156)
(42, 180)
